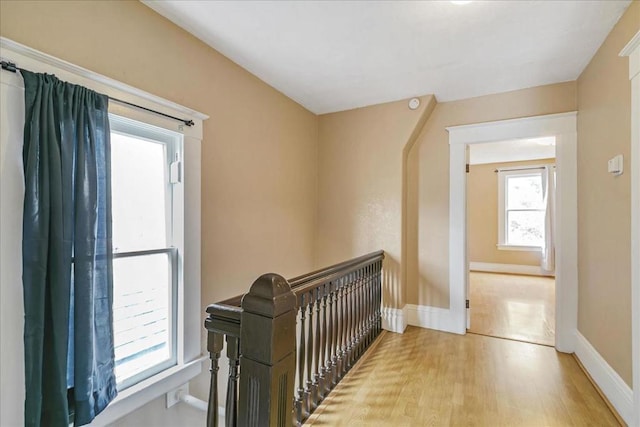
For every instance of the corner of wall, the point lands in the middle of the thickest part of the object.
(430, 105)
(394, 319)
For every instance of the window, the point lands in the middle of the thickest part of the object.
(182, 239)
(146, 222)
(521, 209)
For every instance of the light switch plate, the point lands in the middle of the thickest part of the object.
(615, 165)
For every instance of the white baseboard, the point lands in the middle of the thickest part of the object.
(614, 388)
(530, 270)
(394, 319)
(428, 317)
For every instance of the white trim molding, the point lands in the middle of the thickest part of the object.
(437, 318)
(490, 267)
(503, 130)
(135, 94)
(612, 386)
(519, 248)
(563, 127)
(394, 319)
(632, 50)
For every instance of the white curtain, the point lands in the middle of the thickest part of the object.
(548, 261)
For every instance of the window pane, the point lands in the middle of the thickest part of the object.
(141, 313)
(524, 192)
(139, 193)
(525, 228)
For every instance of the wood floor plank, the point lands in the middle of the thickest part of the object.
(513, 306)
(430, 378)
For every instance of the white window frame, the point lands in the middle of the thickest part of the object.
(190, 345)
(503, 175)
(173, 143)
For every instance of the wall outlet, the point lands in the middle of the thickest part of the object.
(174, 396)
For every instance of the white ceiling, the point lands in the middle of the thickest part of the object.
(513, 150)
(337, 55)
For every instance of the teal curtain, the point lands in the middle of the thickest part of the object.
(67, 253)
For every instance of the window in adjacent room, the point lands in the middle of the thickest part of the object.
(521, 209)
(144, 174)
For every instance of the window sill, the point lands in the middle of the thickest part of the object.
(140, 394)
(519, 248)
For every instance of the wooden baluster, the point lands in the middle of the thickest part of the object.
(355, 318)
(358, 301)
(365, 306)
(372, 307)
(338, 319)
(318, 365)
(373, 302)
(359, 314)
(310, 346)
(341, 327)
(323, 347)
(369, 306)
(214, 346)
(379, 295)
(300, 399)
(351, 308)
(231, 407)
(365, 315)
(347, 318)
(336, 373)
(330, 359)
(377, 298)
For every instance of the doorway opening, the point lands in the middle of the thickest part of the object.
(510, 239)
(561, 126)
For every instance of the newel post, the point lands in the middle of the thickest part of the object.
(268, 348)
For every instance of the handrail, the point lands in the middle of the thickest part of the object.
(314, 282)
(317, 277)
(224, 318)
(305, 278)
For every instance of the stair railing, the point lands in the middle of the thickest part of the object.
(289, 343)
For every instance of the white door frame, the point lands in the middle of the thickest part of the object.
(563, 127)
(632, 50)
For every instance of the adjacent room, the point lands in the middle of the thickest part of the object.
(510, 208)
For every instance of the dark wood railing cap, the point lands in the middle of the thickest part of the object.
(270, 295)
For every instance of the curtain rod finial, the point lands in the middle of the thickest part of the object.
(9, 66)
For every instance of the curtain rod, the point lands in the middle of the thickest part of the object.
(12, 67)
(522, 168)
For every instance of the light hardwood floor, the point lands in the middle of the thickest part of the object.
(429, 378)
(512, 306)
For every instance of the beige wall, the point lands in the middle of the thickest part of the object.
(482, 216)
(428, 172)
(604, 201)
(360, 184)
(259, 153)
(262, 195)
